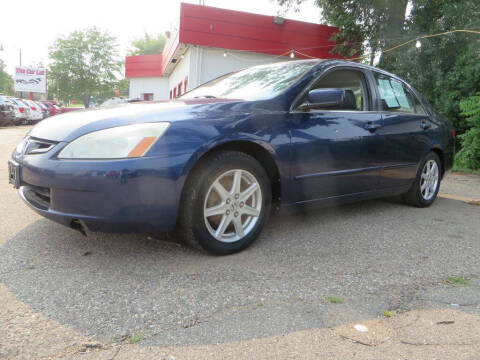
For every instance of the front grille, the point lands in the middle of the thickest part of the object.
(36, 146)
(37, 196)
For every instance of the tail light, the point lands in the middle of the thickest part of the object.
(21, 109)
(33, 108)
(454, 133)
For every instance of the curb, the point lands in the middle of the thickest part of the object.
(467, 200)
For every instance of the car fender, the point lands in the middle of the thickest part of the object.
(222, 141)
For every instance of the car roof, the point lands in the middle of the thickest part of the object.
(354, 64)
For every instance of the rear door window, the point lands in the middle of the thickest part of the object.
(396, 97)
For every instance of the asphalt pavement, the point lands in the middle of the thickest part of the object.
(368, 257)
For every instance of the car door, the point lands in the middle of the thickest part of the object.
(335, 152)
(406, 126)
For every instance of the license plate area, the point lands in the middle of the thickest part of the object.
(14, 174)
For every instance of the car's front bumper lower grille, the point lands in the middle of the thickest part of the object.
(37, 196)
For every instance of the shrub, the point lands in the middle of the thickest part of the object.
(469, 155)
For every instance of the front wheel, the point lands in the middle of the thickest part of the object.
(227, 201)
(427, 183)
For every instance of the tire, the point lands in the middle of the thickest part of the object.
(209, 190)
(421, 194)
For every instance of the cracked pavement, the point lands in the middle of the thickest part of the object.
(63, 290)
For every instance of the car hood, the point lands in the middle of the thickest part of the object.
(68, 126)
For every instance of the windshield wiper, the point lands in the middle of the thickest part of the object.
(205, 96)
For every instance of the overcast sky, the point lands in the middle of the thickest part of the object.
(33, 25)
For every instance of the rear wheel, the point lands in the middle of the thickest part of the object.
(226, 202)
(427, 183)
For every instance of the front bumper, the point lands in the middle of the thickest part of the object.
(128, 195)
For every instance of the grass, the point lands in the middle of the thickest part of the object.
(457, 280)
(460, 169)
(77, 105)
(135, 338)
(335, 299)
(389, 313)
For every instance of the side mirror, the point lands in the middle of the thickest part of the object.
(329, 99)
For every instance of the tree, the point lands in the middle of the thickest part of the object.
(445, 69)
(469, 156)
(148, 45)
(6, 81)
(84, 64)
(366, 26)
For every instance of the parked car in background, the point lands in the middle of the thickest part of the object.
(44, 109)
(7, 112)
(296, 134)
(53, 109)
(35, 112)
(69, 109)
(22, 111)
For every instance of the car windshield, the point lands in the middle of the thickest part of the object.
(255, 83)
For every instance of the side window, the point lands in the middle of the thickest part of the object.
(396, 97)
(349, 80)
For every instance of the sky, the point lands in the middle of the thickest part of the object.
(34, 26)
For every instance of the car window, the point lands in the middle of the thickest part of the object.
(255, 83)
(396, 97)
(344, 79)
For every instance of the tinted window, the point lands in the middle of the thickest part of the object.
(396, 97)
(350, 80)
(255, 83)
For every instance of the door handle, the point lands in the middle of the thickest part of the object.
(371, 126)
(425, 125)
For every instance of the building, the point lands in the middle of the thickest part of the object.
(211, 42)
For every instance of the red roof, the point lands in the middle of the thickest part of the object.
(236, 30)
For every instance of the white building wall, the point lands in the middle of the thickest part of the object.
(199, 65)
(181, 71)
(158, 86)
(212, 63)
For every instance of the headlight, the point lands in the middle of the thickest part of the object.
(21, 147)
(115, 143)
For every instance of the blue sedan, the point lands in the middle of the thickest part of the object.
(214, 162)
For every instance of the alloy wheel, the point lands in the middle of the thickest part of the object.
(233, 205)
(429, 180)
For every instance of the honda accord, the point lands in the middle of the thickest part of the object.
(214, 162)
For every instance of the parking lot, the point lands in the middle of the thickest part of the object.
(306, 272)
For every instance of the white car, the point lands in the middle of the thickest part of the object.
(22, 110)
(44, 108)
(35, 112)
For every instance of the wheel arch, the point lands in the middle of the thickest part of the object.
(263, 153)
(438, 150)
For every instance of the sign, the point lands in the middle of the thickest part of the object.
(30, 79)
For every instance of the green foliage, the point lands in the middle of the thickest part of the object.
(457, 280)
(469, 155)
(446, 68)
(85, 64)
(6, 81)
(335, 299)
(148, 45)
(389, 313)
(471, 110)
(366, 26)
(135, 338)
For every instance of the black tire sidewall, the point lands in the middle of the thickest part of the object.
(210, 173)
